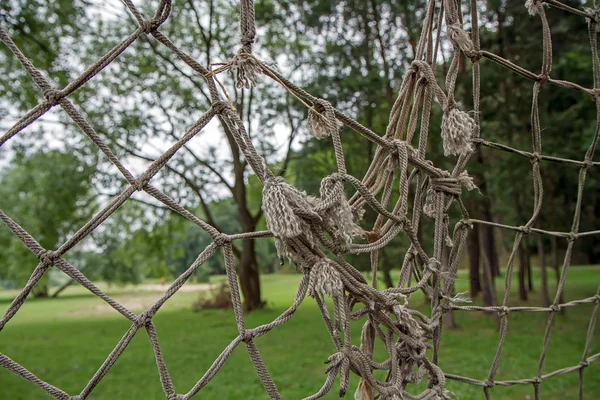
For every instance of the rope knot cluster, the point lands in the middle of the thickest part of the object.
(457, 129)
(461, 39)
(247, 69)
(325, 280)
(533, 6)
(593, 17)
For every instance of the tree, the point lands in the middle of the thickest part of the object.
(48, 193)
(153, 98)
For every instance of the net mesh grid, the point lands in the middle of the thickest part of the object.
(304, 226)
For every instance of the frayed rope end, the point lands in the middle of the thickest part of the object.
(457, 127)
(247, 69)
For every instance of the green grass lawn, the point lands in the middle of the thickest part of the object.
(65, 340)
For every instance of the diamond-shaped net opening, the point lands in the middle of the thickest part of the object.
(315, 232)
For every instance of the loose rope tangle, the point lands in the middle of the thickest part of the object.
(315, 232)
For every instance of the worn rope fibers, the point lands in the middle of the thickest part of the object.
(307, 228)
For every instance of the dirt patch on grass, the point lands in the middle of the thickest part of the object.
(142, 297)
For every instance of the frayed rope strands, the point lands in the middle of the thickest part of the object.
(317, 232)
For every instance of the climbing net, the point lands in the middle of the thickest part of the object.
(315, 232)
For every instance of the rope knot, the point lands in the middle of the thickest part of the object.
(433, 265)
(584, 364)
(587, 164)
(526, 230)
(572, 236)
(593, 17)
(48, 257)
(597, 299)
(533, 6)
(457, 128)
(334, 208)
(537, 380)
(247, 40)
(220, 107)
(141, 183)
(321, 119)
(282, 204)
(504, 311)
(536, 158)
(247, 336)
(247, 69)
(53, 96)
(554, 308)
(461, 39)
(221, 239)
(453, 185)
(144, 319)
(325, 280)
(464, 224)
(489, 384)
(543, 79)
(149, 25)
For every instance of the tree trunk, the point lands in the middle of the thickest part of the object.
(528, 252)
(448, 320)
(40, 291)
(249, 277)
(473, 249)
(385, 264)
(489, 290)
(544, 277)
(489, 241)
(62, 288)
(522, 270)
(556, 266)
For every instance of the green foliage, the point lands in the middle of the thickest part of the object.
(48, 194)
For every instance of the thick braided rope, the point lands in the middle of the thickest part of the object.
(304, 226)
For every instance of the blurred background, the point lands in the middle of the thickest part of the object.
(354, 54)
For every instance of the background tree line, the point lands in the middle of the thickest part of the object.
(352, 53)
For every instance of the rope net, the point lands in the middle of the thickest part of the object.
(315, 232)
